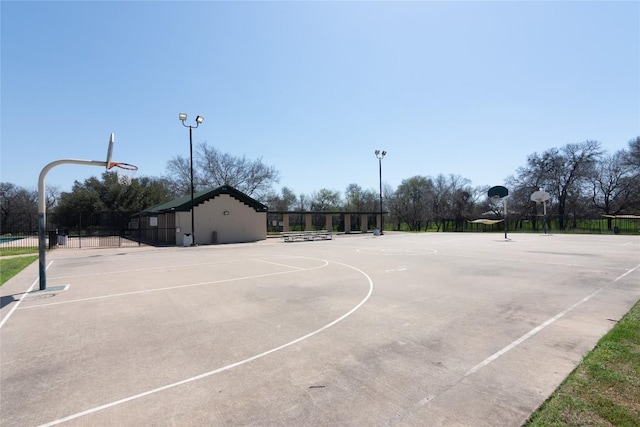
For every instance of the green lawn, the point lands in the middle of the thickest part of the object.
(604, 390)
(23, 251)
(9, 267)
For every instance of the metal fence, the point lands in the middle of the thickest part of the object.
(120, 229)
(108, 229)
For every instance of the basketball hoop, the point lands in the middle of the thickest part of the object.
(124, 172)
(540, 196)
(497, 192)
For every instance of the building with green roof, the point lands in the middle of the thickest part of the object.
(221, 215)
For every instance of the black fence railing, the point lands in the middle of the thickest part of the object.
(536, 225)
(118, 229)
(108, 229)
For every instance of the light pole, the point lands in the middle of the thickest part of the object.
(380, 155)
(199, 119)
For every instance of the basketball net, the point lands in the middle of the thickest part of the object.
(124, 171)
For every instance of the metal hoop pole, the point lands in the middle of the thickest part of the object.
(193, 229)
(42, 212)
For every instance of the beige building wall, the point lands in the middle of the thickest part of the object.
(223, 219)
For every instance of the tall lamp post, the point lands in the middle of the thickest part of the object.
(380, 155)
(199, 119)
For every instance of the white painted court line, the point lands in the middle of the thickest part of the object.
(224, 368)
(628, 272)
(542, 326)
(169, 288)
(162, 267)
(506, 349)
(278, 264)
(5, 318)
(531, 333)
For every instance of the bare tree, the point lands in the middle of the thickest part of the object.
(18, 207)
(634, 153)
(179, 176)
(281, 202)
(52, 195)
(213, 169)
(440, 199)
(563, 172)
(461, 203)
(252, 177)
(615, 184)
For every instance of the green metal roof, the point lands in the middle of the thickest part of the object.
(183, 204)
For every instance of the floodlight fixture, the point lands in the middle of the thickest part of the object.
(199, 119)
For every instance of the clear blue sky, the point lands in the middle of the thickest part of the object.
(313, 88)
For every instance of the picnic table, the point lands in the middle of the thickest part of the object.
(306, 236)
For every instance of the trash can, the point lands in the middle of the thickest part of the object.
(187, 239)
(62, 239)
(376, 231)
(214, 237)
(616, 230)
(53, 239)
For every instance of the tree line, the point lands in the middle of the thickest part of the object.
(582, 179)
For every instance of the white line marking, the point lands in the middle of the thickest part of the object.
(542, 326)
(224, 368)
(628, 272)
(164, 267)
(4, 319)
(275, 263)
(396, 269)
(496, 355)
(531, 333)
(169, 288)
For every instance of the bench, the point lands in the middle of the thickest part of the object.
(306, 236)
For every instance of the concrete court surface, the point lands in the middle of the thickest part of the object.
(437, 329)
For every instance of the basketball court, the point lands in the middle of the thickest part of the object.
(401, 329)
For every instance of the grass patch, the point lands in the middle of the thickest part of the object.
(21, 251)
(604, 390)
(12, 266)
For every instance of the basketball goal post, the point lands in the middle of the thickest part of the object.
(541, 197)
(499, 192)
(123, 177)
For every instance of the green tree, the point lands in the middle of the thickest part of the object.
(412, 201)
(357, 199)
(95, 196)
(325, 200)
